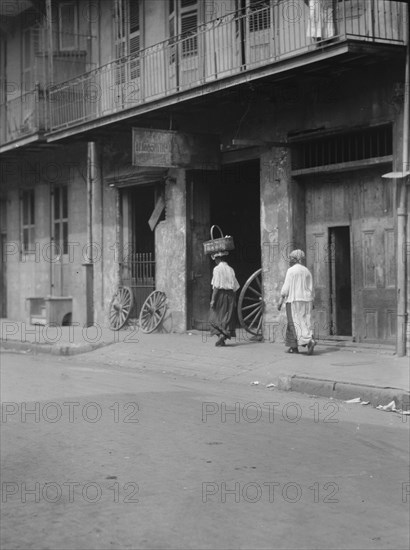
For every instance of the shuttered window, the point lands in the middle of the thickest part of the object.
(134, 37)
(127, 38)
(259, 18)
(183, 22)
(189, 25)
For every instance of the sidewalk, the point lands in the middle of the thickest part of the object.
(374, 375)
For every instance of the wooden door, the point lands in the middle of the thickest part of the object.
(373, 261)
(362, 201)
(59, 256)
(199, 265)
(259, 33)
(223, 41)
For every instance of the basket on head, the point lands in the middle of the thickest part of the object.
(221, 244)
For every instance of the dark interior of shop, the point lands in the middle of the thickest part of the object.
(235, 207)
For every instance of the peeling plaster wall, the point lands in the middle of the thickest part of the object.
(170, 250)
(106, 279)
(29, 275)
(276, 234)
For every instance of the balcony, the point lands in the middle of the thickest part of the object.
(233, 47)
(24, 118)
(23, 114)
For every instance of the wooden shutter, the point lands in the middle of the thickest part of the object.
(189, 27)
(134, 37)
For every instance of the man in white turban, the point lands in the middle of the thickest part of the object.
(298, 293)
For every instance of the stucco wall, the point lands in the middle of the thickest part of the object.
(106, 267)
(170, 250)
(30, 275)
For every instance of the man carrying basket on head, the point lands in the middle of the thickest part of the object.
(224, 286)
(223, 302)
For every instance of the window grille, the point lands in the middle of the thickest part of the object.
(259, 18)
(341, 148)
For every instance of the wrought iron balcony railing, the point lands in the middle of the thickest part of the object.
(230, 45)
(23, 112)
(22, 116)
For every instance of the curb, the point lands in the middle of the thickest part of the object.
(345, 390)
(51, 349)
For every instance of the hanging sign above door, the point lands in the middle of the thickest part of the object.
(170, 149)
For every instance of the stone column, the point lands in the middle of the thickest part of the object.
(282, 230)
(170, 251)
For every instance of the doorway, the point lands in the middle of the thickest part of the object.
(350, 228)
(3, 258)
(235, 207)
(3, 276)
(340, 281)
(138, 267)
(229, 198)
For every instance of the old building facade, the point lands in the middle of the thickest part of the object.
(275, 120)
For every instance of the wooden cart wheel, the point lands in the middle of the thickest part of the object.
(250, 304)
(120, 307)
(152, 311)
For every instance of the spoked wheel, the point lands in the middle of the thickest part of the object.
(250, 304)
(120, 307)
(153, 311)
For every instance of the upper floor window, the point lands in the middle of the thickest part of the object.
(29, 49)
(183, 22)
(127, 27)
(127, 35)
(68, 26)
(259, 15)
(27, 221)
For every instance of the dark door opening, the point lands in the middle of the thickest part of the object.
(235, 207)
(229, 198)
(3, 276)
(139, 260)
(142, 202)
(340, 281)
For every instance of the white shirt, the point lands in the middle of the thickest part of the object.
(224, 277)
(298, 285)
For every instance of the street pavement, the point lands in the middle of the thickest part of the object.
(100, 453)
(372, 373)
